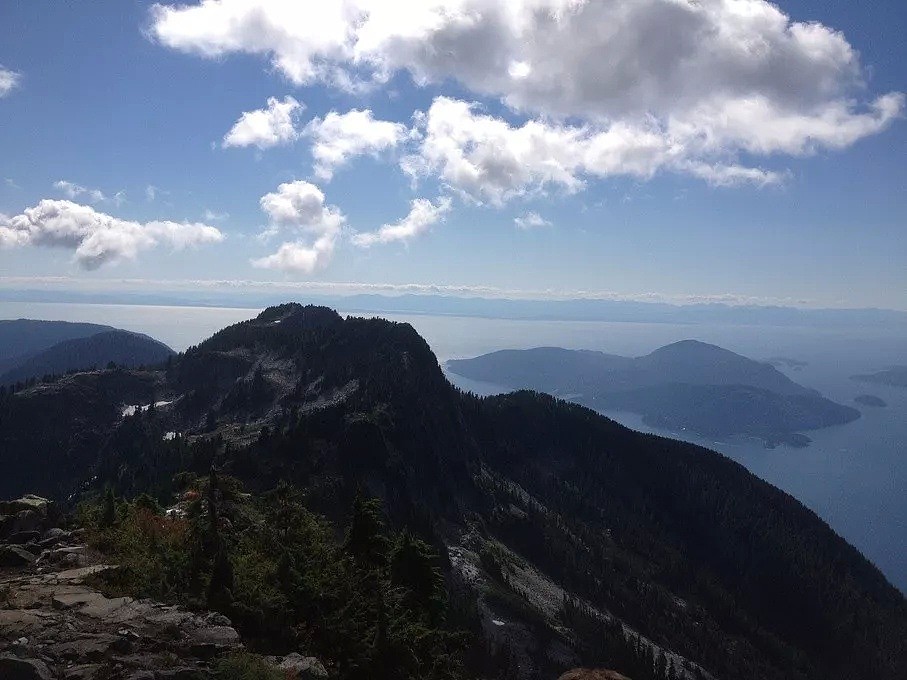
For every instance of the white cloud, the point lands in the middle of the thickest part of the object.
(598, 61)
(488, 160)
(212, 216)
(594, 89)
(339, 137)
(531, 220)
(422, 215)
(9, 81)
(299, 207)
(151, 192)
(264, 128)
(73, 190)
(97, 238)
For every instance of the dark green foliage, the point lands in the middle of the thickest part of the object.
(108, 510)
(365, 539)
(373, 604)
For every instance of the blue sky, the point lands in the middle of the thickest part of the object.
(729, 151)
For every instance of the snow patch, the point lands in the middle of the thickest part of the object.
(132, 409)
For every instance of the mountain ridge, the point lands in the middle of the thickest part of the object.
(526, 495)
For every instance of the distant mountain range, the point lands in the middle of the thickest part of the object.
(896, 376)
(579, 309)
(32, 349)
(688, 385)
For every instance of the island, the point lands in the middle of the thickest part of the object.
(896, 376)
(688, 386)
(787, 362)
(870, 400)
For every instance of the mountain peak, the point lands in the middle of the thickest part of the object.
(693, 348)
(298, 316)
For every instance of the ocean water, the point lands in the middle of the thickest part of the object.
(854, 476)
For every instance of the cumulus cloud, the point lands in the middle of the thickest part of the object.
(339, 137)
(485, 159)
(555, 57)
(95, 237)
(531, 220)
(422, 215)
(595, 89)
(299, 208)
(264, 128)
(9, 80)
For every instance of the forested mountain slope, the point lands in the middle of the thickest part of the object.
(22, 338)
(122, 348)
(564, 538)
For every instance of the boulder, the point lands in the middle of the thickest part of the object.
(301, 667)
(83, 672)
(14, 556)
(86, 648)
(210, 641)
(26, 520)
(27, 502)
(14, 668)
(23, 537)
(587, 674)
(53, 536)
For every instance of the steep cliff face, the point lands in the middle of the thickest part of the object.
(578, 541)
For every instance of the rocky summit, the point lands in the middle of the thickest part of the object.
(56, 624)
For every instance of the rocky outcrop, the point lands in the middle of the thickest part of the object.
(55, 625)
(299, 667)
(25, 518)
(54, 620)
(587, 674)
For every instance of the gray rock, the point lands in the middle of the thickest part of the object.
(23, 537)
(14, 668)
(14, 556)
(92, 648)
(83, 672)
(223, 636)
(53, 537)
(18, 621)
(210, 641)
(74, 597)
(296, 665)
(25, 520)
(181, 674)
(54, 532)
(114, 609)
(27, 502)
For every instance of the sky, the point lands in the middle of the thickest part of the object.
(729, 150)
